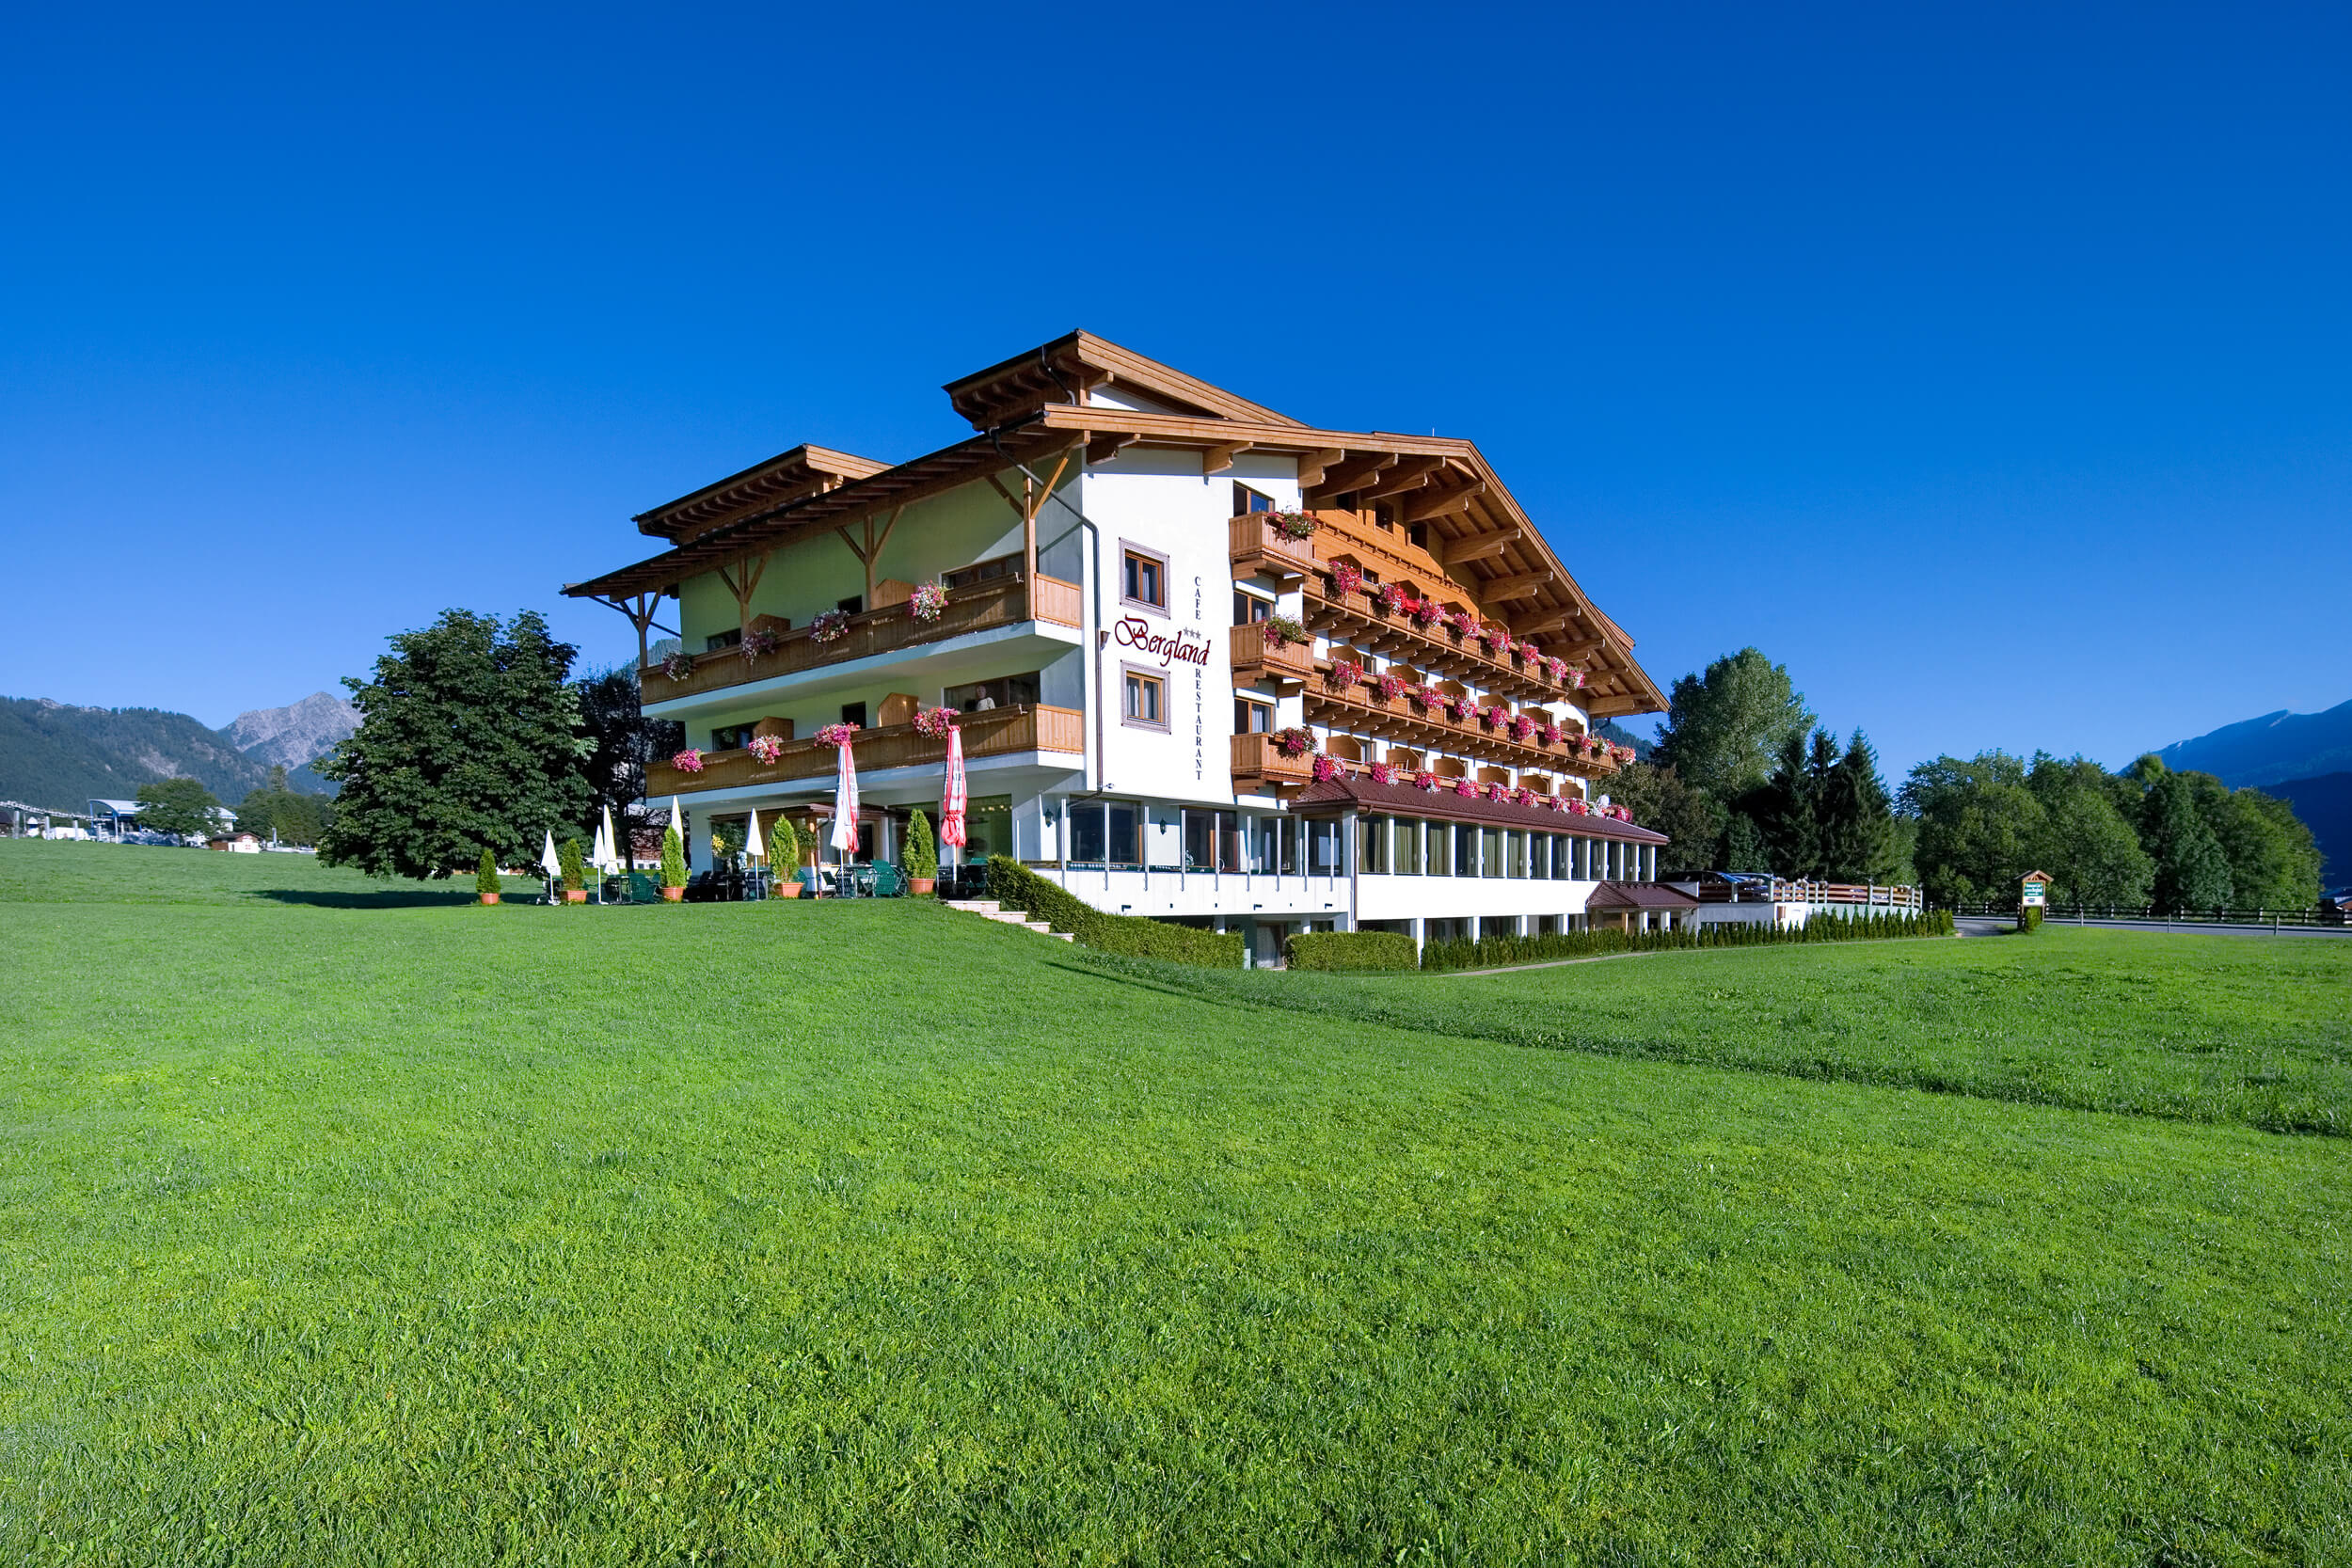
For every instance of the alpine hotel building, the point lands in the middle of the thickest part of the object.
(1210, 664)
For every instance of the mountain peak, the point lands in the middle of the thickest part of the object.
(2270, 750)
(293, 735)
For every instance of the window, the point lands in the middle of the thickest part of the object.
(981, 571)
(1147, 701)
(1563, 859)
(730, 738)
(731, 638)
(1086, 832)
(1371, 845)
(1004, 691)
(854, 713)
(1493, 850)
(1322, 848)
(853, 605)
(1200, 841)
(1143, 579)
(1440, 848)
(1465, 850)
(1246, 500)
(1250, 609)
(1251, 717)
(1404, 847)
(1125, 850)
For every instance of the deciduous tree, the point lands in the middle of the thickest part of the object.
(181, 807)
(468, 736)
(1725, 727)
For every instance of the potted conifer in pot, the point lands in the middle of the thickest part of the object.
(922, 857)
(784, 858)
(673, 865)
(575, 876)
(485, 877)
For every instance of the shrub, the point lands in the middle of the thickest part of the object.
(1350, 950)
(1499, 952)
(783, 847)
(2030, 918)
(485, 877)
(673, 859)
(1015, 886)
(575, 876)
(922, 854)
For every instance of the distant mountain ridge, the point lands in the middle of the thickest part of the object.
(295, 735)
(2270, 750)
(60, 756)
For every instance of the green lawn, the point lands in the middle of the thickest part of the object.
(349, 1225)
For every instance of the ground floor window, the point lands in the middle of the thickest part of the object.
(1405, 847)
(1252, 716)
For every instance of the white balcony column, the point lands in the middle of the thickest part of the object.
(1419, 925)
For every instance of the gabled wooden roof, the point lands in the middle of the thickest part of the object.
(788, 476)
(1040, 402)
(1073, 366)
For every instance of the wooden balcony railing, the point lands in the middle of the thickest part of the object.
(996, 732)
(1260, 769)
(1363, 710)
(1258, 546)
(1397, 561)
(1257, 656)
(1005, 602)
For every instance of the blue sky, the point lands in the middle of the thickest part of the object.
(1987, 368)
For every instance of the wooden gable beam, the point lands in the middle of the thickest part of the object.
(1313, 463)
(1543, 621)
(1216, 460)
(1102, 448)
(1477, 546)
(1518, 587)
(1425, 506)
(1352, 475)
(1410, 473)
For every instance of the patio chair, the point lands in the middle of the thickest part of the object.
(889, 882)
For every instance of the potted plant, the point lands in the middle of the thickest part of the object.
(783, 859)
(830, 625)
(1282, 631)
(928, 601)
(575, 876)
(486, 879)
(922, 857)
(673, 865)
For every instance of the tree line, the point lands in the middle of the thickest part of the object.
(1741, 779)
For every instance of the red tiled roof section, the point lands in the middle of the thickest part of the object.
(1639, 895)
(1442, 805)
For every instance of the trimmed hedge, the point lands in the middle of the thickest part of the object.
(1350, 950)
(1499, 952)
(2030, 918)
(1016, 887)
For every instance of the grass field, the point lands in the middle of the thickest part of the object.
(341, 1224)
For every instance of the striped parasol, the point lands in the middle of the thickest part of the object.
(951, 807)
(845, 801)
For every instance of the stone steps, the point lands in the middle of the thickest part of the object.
(989, 909)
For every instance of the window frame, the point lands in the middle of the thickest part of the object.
(1128, 674)
(1131, 551)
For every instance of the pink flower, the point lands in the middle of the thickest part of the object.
(1325, 767)
(836, 735)
(1347, 577)
(1425, 612)
(928, 601)
(1466, 789)
(1522, 728)
(688, 761)
(1391, 686)
(767, 747)
(1391, 598)
(935, 722)
(1551, 733)
(1294, 741)
(1383, 774)
(1425, 780)
(1347, 676)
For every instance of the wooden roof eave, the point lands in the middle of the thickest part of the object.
(791, 473)
(918, 479)
(1080, 359)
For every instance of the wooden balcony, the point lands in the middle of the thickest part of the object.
(1007, 601)
(997, 732)
(1258, 657)
(1357, 618)
(1363, 710)
(1258, 546)
(1260, 770)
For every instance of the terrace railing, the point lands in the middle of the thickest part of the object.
(1363, 710)
(994, 732)
(1007, 601)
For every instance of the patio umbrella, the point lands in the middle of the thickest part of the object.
(600, 852)
(611, 843)
(549, 861)
(845, 802)
(677, 823)
(752, 847)
(951, 806)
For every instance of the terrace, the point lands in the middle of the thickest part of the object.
(1016, 730)
(1009, 608)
